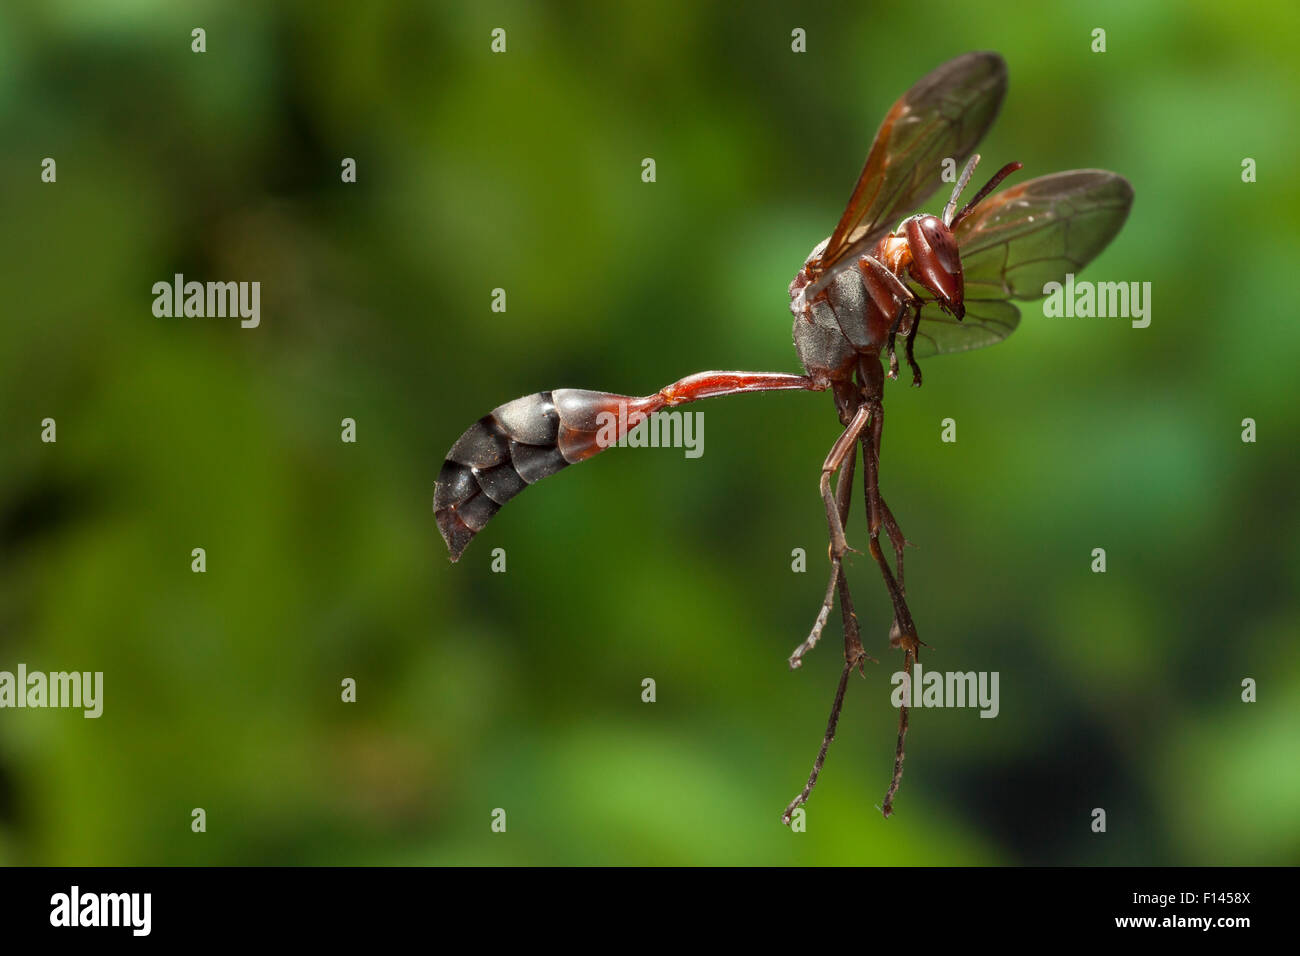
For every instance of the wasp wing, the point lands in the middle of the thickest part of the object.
(943, 116)
(987, 322)
(1018, 240)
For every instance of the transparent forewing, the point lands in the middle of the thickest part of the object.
(1019, 239)
(944, 115)
(987, 322)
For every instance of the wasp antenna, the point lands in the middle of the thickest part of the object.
(957, 190)
(991, 185)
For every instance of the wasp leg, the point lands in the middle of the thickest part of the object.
(887, 807)
(837, 512)
(903, 630)
(802, 798)
(876, 510)
(911, 339)
(843, 447)
(854, 654)
(888, 291)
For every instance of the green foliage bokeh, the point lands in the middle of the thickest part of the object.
(522, 690)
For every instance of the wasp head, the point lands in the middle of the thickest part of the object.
(936, 263)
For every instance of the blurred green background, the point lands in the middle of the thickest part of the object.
(522, 690)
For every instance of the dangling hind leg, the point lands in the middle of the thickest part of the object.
(903, 630)
(854, 653)
(843, 448)
(878, 513)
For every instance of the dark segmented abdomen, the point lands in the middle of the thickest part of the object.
(522, 442)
